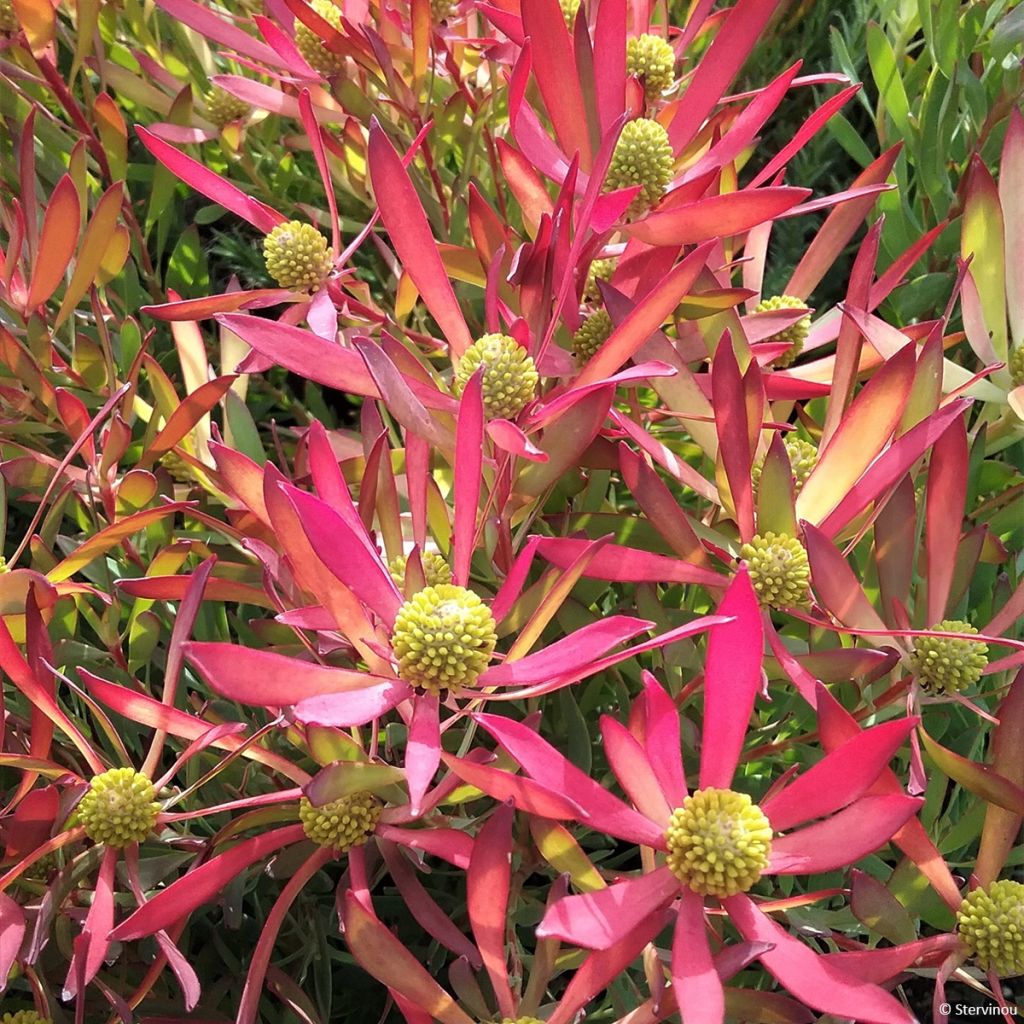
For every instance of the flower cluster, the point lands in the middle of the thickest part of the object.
(457, 555)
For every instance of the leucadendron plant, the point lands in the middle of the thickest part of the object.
(443, 579)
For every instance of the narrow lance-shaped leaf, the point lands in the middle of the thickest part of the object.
(732, 679)
(382, 955)
(410, 234)
(488, 883)
(944, 509)
(982, 240)
(197, 887)
(57, 242)
(468, 468)
(211, 184)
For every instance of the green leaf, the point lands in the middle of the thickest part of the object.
(886, 74)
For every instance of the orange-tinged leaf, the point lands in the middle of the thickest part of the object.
(114, 255)
(983, 238)
(56, 242)
(186, 416)
(382, 955)
(979, 779)
(109, 537)
(113, 134)
(646, 317)
(39, 22)
(1002, 827)
(94, 246)
(420, 17)
(462, 264)
(863, 433)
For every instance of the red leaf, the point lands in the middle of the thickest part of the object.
(554, 67)
(944, 512)
(811, 978)
(410, 234)
(646, 317)
(839, 778)
(211, 184)
(265, 679)
(201, 885)
(469, 454)
(488, 883)
(600, 919)
(717, 216)
(732, 678)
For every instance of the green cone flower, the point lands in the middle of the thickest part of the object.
(510, 377)
(8, 19)
(119, 809)
(440, 9)
(803, 457)
(443, 638)
(718, 842)
(25, 1017)
(779, 570)
(600, 270)
(795, 334)
(592, 334)
(343, 823)
(435, 569)
(311, 46)
(521, 1020)
(297, 255)
(222, 108)
(569, 10)
(1015, 364)
(643, 156)
(948, 665)
(990, 923)
(653, 61)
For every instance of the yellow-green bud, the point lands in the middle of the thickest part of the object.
(1015, 364)
(653, 61)
(510, 377)
(803, 457)
(779, 570)
(795, 334)
(119, 809)
(718, 842)
(600, 270)
(643, 156)
(346, 822)
(8, 18)
(990, 923)
(4, 567)
(435, 569)
(311, 46)
(177, 468)
(592, 334)
(948, 665)
(569, 10)
(222, 108)
(440, 9)
(521, 1020)
(297, 255)
(25, 1017)
(443, 638)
